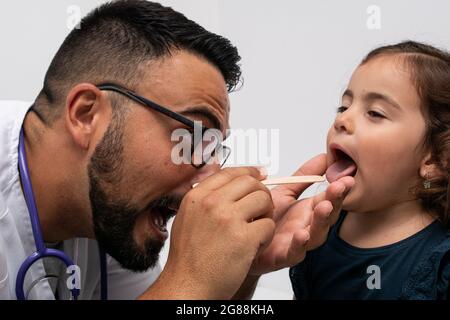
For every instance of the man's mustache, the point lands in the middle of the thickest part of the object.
(171, 202)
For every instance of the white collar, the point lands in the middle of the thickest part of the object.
(12, 115)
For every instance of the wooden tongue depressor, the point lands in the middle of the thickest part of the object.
(288, 180)
(292, 180)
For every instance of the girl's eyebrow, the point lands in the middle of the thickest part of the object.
(371, 96)
(348, 93)
(379, 96)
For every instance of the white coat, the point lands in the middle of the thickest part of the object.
(16, 236)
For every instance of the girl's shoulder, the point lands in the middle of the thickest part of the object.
(430, 279)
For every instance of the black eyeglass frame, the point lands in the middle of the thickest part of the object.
(171, 114)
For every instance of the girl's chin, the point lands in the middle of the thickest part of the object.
(351, 203)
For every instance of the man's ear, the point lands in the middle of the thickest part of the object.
(428, 168)
(85, 106)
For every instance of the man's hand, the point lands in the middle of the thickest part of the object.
(301, 225)
(220, 227)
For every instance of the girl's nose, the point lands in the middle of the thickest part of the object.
(344, 122)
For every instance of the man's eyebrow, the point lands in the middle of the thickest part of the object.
(380, 96)
(203, 112)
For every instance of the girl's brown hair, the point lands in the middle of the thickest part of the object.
(430, 73)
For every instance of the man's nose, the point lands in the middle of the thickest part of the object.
(344, 122)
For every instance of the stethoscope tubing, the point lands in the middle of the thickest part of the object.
(41, 250)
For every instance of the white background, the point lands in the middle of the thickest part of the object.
(297, 57)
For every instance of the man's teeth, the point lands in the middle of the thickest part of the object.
(159, 221)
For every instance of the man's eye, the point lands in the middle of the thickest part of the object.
(375, 114)
(341, 109)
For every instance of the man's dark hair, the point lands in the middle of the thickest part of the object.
(115, 39)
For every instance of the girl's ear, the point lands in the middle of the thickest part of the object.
(428, 168)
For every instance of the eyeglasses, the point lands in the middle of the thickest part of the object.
(218, 153)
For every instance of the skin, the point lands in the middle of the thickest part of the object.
(229, 223)
(384, 137)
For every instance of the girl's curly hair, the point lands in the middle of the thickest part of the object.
(430, 72)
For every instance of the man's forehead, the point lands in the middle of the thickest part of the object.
(182, 66)
(184, 80)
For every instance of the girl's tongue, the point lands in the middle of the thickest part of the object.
(341, 168)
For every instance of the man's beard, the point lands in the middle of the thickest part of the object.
(114, 220)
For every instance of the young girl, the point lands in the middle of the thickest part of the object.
(392, 133)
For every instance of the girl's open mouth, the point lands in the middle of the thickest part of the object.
(343, 165)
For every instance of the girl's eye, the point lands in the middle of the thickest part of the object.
(375, 114)
(341, 109)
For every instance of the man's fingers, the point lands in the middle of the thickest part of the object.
(240, 187)
(326, 209)
(337, 196)
(335, 193)
(314, 166)
(261, 230)
(255, 205)
(224, 176)
(297, 249)
(320, 224)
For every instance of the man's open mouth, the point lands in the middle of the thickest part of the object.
(343, 164)
(158, 217)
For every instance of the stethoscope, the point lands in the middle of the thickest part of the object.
(42, 251)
